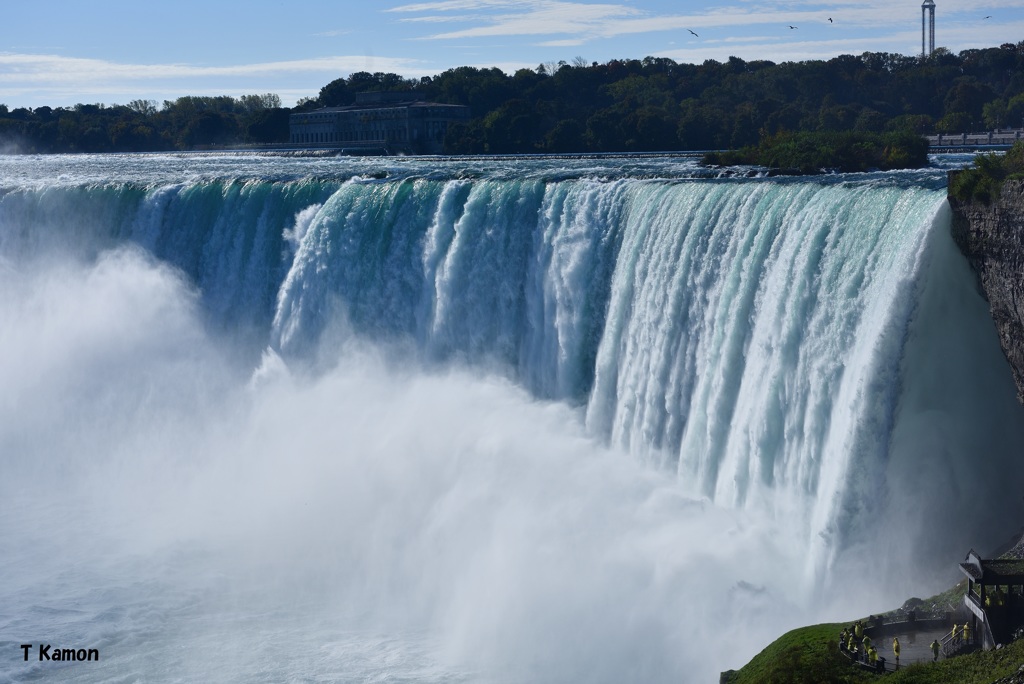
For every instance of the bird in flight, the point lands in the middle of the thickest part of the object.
(693, 33)
(792, 27)
(830, 20)
(989, 16)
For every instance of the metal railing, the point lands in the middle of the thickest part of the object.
(910, 617)
(857, 658)
(1002, 138)
(951, 644)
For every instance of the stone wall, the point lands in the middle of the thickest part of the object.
(992, 238)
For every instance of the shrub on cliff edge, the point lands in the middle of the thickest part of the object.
(847, 151)
(982, 183)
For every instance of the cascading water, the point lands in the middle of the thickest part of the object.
(514, 422)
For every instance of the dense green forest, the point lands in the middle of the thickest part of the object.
(652, 104)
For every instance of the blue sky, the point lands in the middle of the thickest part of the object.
(63, 52)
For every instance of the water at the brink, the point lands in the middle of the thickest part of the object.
(270, 419)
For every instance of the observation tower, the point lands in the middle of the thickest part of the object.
(927, 27)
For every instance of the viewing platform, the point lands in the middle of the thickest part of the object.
(993, 615)
(915, 631)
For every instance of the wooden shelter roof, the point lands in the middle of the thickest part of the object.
(993, 571)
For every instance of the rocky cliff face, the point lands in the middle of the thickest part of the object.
(992, 238)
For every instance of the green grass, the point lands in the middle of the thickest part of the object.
(983, 667)
(810, 655)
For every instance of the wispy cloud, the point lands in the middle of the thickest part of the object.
(568, 42)
(574, 23)
(21, 68)
(58, 80)
(442, 19)
(530, 18)
(459, 5)
(780, 50)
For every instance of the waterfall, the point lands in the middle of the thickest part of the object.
(532, 414)
(752, 334)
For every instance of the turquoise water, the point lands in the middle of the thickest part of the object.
(501, 419)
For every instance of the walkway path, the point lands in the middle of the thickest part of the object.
(915, 647)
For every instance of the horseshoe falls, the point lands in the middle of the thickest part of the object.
(479, 420)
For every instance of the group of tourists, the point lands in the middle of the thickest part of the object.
(963, 633)
(959, 636)
(995, 598)
(858, 645)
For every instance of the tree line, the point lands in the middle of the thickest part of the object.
(650, 104)
(144, 126)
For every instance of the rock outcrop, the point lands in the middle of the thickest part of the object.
(992, 238)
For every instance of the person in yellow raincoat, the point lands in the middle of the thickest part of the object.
(896, 648)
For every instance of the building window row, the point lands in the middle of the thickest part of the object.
(369, 135)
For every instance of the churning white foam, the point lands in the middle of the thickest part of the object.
(374, 522)
(389, 500)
